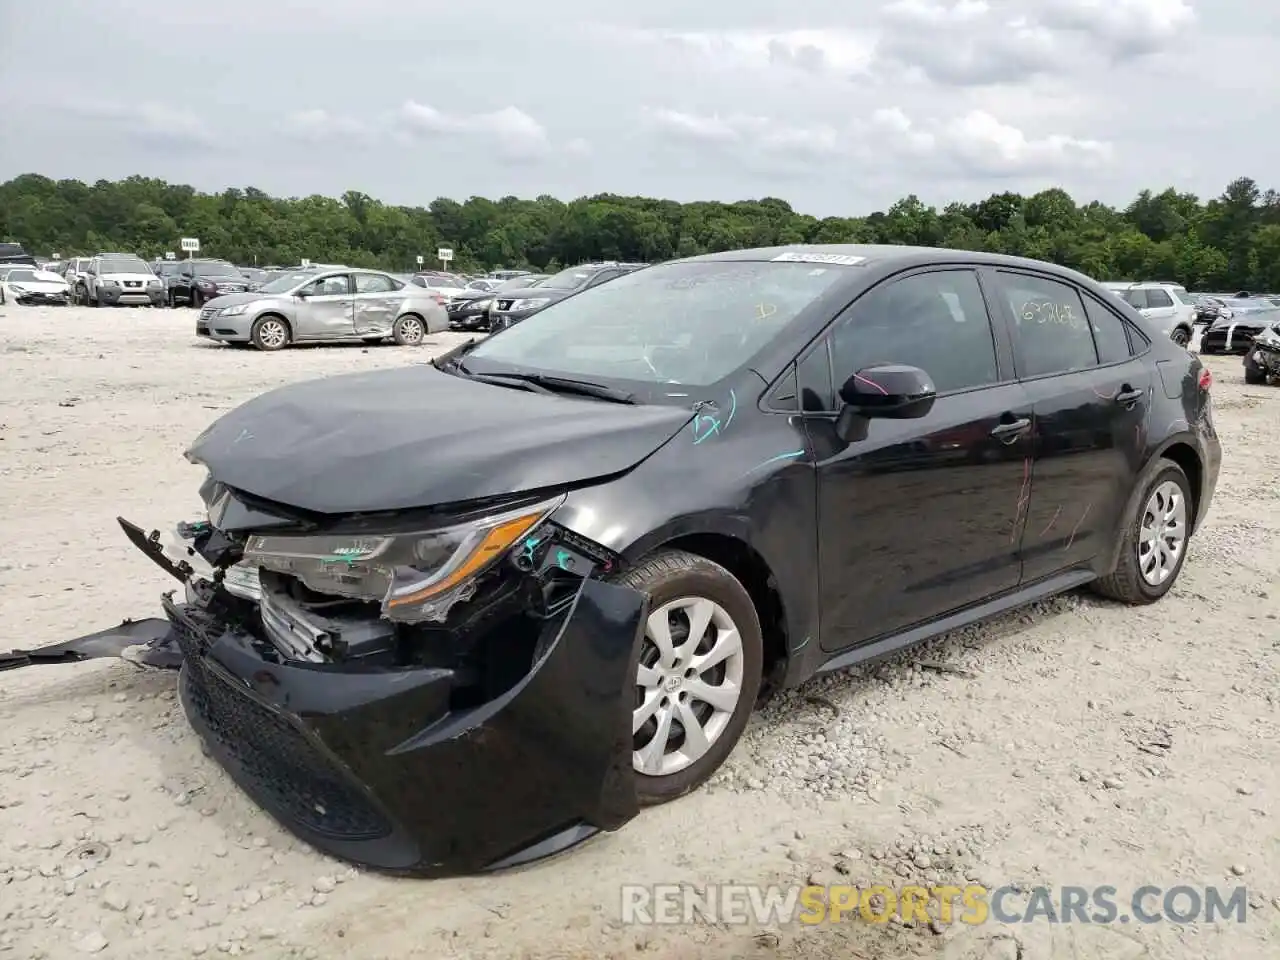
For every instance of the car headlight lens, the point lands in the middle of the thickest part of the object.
(234, 310)
(483, 304)
(17, 288)
(531, 304)
(155, 284)
(414, 576)
(105, 282)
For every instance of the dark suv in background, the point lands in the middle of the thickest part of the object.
(508, 311)
(196, 281)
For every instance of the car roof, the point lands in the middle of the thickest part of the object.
(884, 258)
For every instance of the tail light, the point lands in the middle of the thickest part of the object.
(442, 300)
(1206, 379)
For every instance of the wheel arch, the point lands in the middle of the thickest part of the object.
(729, 547)
(1176, 450)
(273, 314)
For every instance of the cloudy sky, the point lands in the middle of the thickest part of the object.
(839, 108)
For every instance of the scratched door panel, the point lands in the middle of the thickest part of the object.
(1086, 457)
(922, 517)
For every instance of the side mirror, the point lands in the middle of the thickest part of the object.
(889, 391)
(302, 294)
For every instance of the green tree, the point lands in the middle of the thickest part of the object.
(1229, 242)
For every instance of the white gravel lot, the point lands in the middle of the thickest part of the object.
(1082, 743)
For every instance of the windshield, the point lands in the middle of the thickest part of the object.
(123, 265)
(13, 276)
(286, 282)
(677, 323)
(517, 283)
(570, 279)
(215, 268)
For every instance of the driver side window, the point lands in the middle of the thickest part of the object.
(936, 321)
(329, 287)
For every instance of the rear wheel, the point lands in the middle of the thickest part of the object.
(1181, 336)
(1156, 538)
(270, 333)
(699, 673)
(409, 331)
(1253, 374)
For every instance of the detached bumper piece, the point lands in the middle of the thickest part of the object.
(148, 643)
(374, 766)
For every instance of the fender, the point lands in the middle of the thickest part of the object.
(1154, 464)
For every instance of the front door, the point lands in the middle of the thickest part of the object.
(1091, 397)
(326, 312)
(377, 301)
(921, 517)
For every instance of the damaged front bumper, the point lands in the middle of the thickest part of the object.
(383, 766)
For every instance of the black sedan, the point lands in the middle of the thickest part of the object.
(463, 615)
(506, 311)
(470, 312)
(1234, 333)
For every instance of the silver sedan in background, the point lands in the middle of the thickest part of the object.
(310, 305)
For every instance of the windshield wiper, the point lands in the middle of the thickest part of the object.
(585, 388)
(502, 380)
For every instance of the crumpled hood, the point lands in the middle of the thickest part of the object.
(416, 437)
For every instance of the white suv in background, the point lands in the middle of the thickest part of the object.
(1167, 305)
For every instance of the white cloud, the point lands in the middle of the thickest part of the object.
(509, 131)
(744, 135)
(924, 11)
(1125, 27)
(319, 125)
(975, 144)
(151, 122)
(840, 51)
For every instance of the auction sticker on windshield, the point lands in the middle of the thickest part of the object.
(844, 259)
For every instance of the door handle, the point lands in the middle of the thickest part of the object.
(1128, 395)
(1010, 430)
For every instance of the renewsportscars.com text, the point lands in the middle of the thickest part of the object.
(972, 904)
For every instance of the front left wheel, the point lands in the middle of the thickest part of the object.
(270, 333)
(699, 673)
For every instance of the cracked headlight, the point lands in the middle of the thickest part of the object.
(415, 576)
(233, 311)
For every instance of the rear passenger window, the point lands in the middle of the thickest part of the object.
(1108, 332)
(1158, 298)
(1052, 331)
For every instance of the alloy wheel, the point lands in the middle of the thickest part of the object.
(688, 686)
(272, 334)
(1163, 534)
(411, 331)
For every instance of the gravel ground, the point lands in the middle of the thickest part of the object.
(1074, 742)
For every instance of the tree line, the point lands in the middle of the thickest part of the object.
(1226, 243)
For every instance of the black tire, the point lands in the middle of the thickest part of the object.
(263, 334)
(1126, 583)
(1254, 374)
(1181, 336)
(409, 330)
(671, 575)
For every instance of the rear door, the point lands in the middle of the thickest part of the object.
(1078, 361)
(918, 517)
(377, 298)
